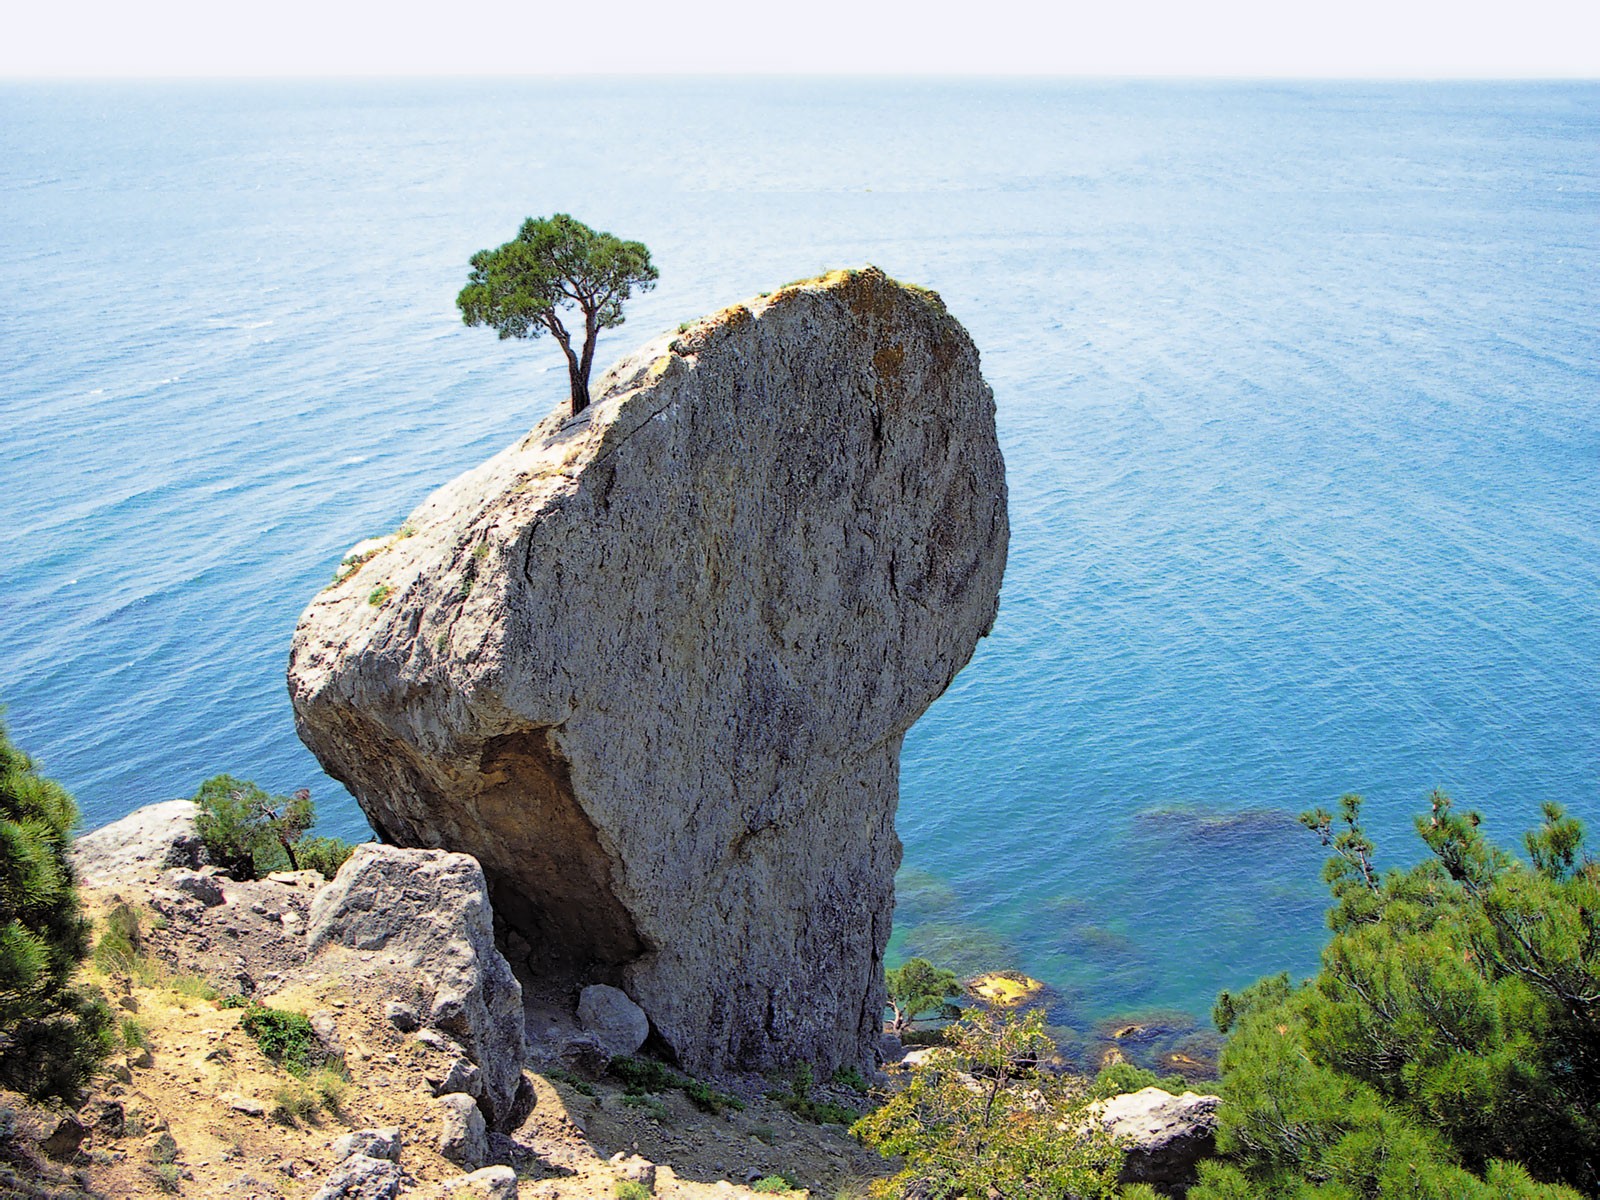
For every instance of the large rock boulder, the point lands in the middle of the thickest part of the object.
(1166, 1136)
(652, 665)
(422, 918)
(146, 841)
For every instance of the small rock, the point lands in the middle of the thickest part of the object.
(402, 1016)
(635, 1167)
(140, 1057)
(199, 884)
(244, 1104)
(916, 1058)
(362, 1177)
(63, 1141)
(327, 1031)
(491, 1183)
(583, 1055)
(299, 879)
(374, 1143)
(435, 1040)
(616, 1021)
(460, 1076)
(890, 1049)
(128, 1004)
(146, 840)
(107, 1116)
(462, 1131)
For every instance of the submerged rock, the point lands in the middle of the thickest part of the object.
(652, 665)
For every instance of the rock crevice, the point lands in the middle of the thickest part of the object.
(652, 665)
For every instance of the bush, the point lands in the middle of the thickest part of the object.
(643, 1075)
(285, 1037)
(774, 1184)
(249, 833)
(53, 1036)
(976, 1121)
(1115, 1079)
(1450, 1044)
(632, 1189)
(797, 1098)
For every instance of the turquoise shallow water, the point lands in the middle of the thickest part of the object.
(1297, 387)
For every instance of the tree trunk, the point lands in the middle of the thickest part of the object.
(580, 385)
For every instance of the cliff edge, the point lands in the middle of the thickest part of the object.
(652, 665)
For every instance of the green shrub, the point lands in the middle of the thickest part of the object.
(581, 1086)
(647, 1102)
(632, 1189)
(774, 1184)
(323, 854)
(642, 1075)
(167, 1176)
(1450, 1043)
(1115, 1079)
(850, 1077)
(285, 1037)
(53, 1036)
(797, 1098)
(249, 833)
(976, 1122)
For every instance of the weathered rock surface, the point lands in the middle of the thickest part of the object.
(362, 1177)
(148, 839)
(615, 1021)
(1168, 1135)
(428, 912)
(652, 665)
(463, 1138)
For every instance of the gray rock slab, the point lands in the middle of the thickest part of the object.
(149, 839)
(423, 916)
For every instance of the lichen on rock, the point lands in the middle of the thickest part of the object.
(652, 665)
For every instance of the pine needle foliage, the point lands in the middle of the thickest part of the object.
(52, 1034)
(250, 833)
(1450, 1044)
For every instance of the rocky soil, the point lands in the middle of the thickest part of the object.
(201, 1111)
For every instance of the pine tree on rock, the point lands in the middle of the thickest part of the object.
(553, 263)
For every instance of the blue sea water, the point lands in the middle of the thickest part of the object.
(1298, 387)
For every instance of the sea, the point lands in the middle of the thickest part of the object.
(1298, 386)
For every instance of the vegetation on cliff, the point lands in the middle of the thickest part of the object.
(1450, 1044)
(555, 262)
(52, 1035)
(250, 834)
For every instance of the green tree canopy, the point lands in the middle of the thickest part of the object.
(52, 1035)
(1450, 1044)
(919, 988)
(554, 263)
(250, 833)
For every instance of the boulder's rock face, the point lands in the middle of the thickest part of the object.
(1166, 1135)
(616, 1022)
(652, 665)
(428, 912)
(147, 840)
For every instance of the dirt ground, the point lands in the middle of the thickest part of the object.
(199, 1110)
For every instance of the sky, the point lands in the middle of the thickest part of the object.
(1184, 38)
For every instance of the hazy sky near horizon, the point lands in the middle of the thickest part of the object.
(1248, 38)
